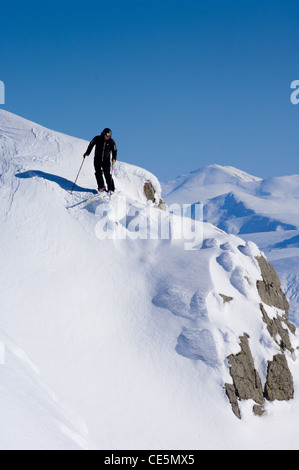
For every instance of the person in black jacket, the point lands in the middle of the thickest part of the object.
(105, 147)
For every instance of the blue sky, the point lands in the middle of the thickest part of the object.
(182, 84)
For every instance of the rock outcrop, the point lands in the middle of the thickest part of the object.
(280, 335)
(150, 194)
(233, 399)
(246, 381)
(279, 383)
(226, 298)
(271, 294)
(270, 287)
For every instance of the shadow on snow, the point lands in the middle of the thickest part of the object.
(62, 182)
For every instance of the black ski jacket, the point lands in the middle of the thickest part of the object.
(103, 148)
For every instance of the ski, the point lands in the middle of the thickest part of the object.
(98, 195)
(87, 199)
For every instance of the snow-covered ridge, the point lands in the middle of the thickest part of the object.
(133, 335)
(274, 199)
(31, 147)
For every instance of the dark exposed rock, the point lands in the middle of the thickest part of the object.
(258, 410)
(162, 205)
(149, 191)
(271, 294)
(226, 298)
(150, 194)
(279, 334)
(279, 383)
(270, 287)
(246, 381)
(233, 399)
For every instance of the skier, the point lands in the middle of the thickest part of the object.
(105, 146)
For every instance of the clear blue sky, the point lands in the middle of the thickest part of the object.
(182, 84)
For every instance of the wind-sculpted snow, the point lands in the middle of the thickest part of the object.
(198, 345)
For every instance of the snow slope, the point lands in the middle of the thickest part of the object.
(131, 334)
(32, 416)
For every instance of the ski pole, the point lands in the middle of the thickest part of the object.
(77, 176)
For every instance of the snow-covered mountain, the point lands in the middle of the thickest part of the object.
(141, 339)
(237, 201)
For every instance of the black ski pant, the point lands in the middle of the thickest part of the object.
(104, 167)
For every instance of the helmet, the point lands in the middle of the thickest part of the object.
(107, 131)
